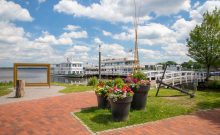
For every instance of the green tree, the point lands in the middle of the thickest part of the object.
(190, 64)
(167, 63)
(204, 41)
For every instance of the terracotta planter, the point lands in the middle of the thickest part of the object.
(120, 108)
(140, 98)
(102, 101)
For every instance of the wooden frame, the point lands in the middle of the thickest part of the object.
(16, 65)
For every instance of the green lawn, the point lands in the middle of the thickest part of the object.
(73, 87)
(4, 88)
(170, 103)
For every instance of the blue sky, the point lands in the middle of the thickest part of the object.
(49, 31)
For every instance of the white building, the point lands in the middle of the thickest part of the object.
(112, 67)
(68, 69)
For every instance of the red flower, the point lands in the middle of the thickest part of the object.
(128, 89)
(124, 88)
(135, 80)
(115, 88)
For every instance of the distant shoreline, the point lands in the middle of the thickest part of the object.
(23, 68)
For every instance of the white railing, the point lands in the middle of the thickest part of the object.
(170, 77)
(177, 77)
(108, 73)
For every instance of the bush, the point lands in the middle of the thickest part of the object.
(140, 76)
(118, 81)
(93, 81)
(10, 83)
(109, 83)
(214, 84)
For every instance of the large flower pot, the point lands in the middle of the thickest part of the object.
(120, 108)
(102, 101)
(140, 97)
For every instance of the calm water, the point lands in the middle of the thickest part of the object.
(36, 75)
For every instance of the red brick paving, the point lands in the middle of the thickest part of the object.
(51, 116)
(202, 123)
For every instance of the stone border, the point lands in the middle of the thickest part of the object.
(134, 125)
(77, 118)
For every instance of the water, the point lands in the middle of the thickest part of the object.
(36, 76)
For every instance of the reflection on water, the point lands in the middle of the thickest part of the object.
(36, 75)
(32, 75)
(69, 80)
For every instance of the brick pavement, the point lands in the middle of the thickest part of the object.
(51, 116)
(48, 116)
(202, 123)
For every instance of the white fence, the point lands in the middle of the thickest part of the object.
(177, 77)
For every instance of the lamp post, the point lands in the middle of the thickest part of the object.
(99, 61)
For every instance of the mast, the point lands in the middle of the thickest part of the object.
(136, 65)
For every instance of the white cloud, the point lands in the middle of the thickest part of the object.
(106, 33)
(41, 1)
(198, 11)
(148, 34)
(80, 48)
(97, 41)
(15, 46)
(123, 36)
(52, 40)
(71, 27)
(10, 11)
(182, 28)
(15, 40)
(74, 34)
(150, 54)
(10, 34)
(108, 10)
(122, 10)
(113, 50)
(78, 53)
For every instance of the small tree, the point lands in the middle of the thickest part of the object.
(204, 41)
(191, 64)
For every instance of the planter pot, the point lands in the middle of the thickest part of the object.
(140, 98)
(120, 108)
(102, 101)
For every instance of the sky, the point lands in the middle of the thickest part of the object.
(50, 31)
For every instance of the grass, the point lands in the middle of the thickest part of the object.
(170, 103)
(4, 88)
(73, 87)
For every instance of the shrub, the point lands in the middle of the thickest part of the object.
(93, 81)
(214, 84)
(139, 76)
(118, 81)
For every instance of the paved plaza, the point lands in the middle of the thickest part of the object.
(52, 116)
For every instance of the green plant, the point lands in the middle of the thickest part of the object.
(136, 80)
(214, 84)
(102, 88)
(140, 76)
(93, 81)
(118, 81)
(4, 88)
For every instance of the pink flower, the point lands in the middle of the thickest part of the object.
(135, 80)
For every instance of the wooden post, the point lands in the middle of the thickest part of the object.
(165, 68)
(20, 85)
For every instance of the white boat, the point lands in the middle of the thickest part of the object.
(112, 67)
(69, 69)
